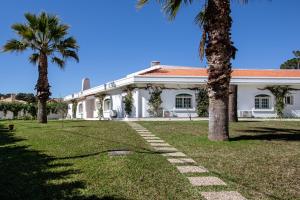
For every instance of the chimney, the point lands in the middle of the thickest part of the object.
(154, 63)
(85, 84)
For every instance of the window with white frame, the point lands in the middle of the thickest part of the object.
(289, 100)
(183, 101)
(262, 101)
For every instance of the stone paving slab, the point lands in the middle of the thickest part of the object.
(223, 195)
(144, 134)
(157, 141)
(160, 144)
(205, 181)
(151, 137)
(174, 154)
(191, 169)
(180, 160)
(165, 149)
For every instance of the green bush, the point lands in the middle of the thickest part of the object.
(155, 102)
(202, 103)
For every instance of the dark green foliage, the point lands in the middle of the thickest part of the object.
(155, 102)
(202, 103)
(28, 97)
(128, 100)
(32, 110)
(293, 63)
(5, 95)
(57, 107)
(74, 108)
(279, 93)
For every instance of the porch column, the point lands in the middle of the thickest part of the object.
(84, 109)
(138, 102)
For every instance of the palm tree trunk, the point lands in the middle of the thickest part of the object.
(219, 51)
(42, 88)
(233, 89)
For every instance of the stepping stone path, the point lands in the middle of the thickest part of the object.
(186, 165)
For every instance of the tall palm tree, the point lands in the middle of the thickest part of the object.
(46, 36)
(216, 44)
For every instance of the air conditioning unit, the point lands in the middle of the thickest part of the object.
(113, 113)
(246, 113)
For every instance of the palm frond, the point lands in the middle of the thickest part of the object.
(15, 46)
(32, 20)
(141, 3)
(34, 58)
(70, 54)
(60, 62)
(170, 7)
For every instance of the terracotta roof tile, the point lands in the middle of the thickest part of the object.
(189, 71)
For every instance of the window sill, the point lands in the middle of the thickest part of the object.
(184, 109)
(263, 110)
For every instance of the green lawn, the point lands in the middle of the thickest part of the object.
(262, 160)
(50, 162)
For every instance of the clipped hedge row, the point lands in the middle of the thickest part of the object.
(31, 108)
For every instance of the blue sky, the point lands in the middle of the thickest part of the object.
(116, 39)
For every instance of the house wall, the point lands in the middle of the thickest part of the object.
(246, 103)
(168, 102)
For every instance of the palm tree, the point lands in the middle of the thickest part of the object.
(46, 36)
(216, 44)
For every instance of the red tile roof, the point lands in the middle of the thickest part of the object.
(189, 71)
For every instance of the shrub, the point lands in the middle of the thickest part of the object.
(155, 102)
(202, 103)
(128, 101)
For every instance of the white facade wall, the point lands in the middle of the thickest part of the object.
(246, 103)
(168, 102)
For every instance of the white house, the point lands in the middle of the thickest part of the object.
(179, 94)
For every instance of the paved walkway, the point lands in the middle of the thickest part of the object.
(186, 165)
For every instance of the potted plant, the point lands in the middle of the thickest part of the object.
(128, 101)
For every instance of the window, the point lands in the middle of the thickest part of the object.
(106, 104)
(289, 100)
(183, 101)
(262, 101)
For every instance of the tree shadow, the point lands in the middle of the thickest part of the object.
(30, 174)
(267, 133)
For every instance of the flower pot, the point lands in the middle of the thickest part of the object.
(11, 127)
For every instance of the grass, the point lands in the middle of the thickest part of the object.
(37, 161)
(50, 162)
(261, 161)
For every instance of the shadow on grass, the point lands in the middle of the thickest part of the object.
(30, 174)
(266, 133)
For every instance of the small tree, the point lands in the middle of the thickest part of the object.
(31, 108)
(202, 103)
(155, 101)
(293, 63)
(128, 101)
(74, 108)
(15, 108)
(279, 93)
(100, 97)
